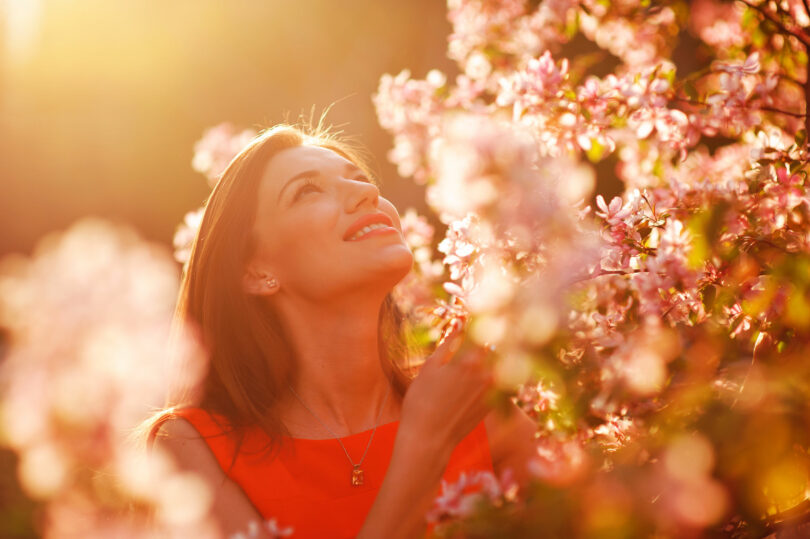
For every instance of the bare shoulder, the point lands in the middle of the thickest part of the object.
(179, 438)
(511, 440)
(231, 509)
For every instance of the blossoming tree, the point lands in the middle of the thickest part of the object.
(658, 338)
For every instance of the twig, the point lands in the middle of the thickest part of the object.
(807, 94)
(788, 78)
(767, 109)
(607, 272)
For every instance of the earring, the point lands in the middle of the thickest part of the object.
(272, 283)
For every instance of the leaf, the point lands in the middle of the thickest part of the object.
(690, 90)
(708, 296)
(572, 27)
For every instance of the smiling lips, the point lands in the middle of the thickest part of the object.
(366, 224)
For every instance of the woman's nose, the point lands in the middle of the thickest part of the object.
(361, 193)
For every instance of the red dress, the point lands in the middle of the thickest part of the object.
(308, 484)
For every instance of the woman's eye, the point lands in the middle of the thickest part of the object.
(308, 186)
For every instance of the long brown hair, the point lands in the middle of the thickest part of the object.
(251, 359)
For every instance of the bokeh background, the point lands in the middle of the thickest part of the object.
(101, 101)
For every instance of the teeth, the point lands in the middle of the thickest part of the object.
(365, 230)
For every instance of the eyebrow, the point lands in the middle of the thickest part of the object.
(350, 167)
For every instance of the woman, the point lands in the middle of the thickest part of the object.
(309, 413)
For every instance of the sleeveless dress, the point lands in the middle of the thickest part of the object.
(307, 485)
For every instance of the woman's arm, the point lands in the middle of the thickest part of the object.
(231, 509)
(511, 441)
(408, 490)
(442, 405)
(417, 465)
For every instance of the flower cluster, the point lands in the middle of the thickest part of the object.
(212, 155)
(217, 147)
(460, 498)
(89, 319)
(270, 526)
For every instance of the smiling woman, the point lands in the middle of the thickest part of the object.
(311, 414)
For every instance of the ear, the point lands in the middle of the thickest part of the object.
(259, 283)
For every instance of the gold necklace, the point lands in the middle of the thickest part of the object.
(357, 472)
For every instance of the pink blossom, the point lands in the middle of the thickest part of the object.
(718, 23)
(458, 499)
(218, 146)
(185, 233)
(559, 462)
(92, 341)
(410, 109)
(271, 526)
(749, 67)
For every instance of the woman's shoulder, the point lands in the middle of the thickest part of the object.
(186, 422)
(178, 436)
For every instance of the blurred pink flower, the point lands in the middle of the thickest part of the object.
(458, 499)
(217, 147)
(185, 233)
(90, 316)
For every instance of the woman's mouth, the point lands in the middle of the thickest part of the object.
(375, 229)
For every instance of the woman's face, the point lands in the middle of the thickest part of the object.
(311, 230)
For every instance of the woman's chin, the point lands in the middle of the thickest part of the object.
(394, 269)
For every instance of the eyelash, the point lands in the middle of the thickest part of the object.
(309, 183)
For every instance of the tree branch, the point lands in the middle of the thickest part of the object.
(767, 109)
(788, 78)
(602, 273)
(807, 96)
(775, 20)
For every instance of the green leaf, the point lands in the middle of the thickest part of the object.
(690, 90)
(572, 27)
(708, 296)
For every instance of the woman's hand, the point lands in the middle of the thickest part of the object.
(447, 399)
(442, 405)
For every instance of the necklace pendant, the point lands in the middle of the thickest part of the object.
(357, 476)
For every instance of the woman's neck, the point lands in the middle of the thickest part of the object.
(341, 377)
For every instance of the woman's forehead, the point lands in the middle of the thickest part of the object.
(291, 161)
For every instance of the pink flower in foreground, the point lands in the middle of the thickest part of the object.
(559, 462)
(460, 498)
(270, 526)
(89, 317)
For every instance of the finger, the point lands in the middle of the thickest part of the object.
(473, 356)
(446, 349)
